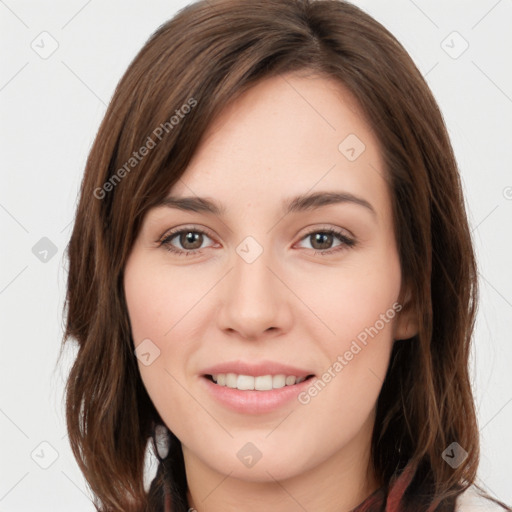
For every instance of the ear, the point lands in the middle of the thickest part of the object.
(406, 324)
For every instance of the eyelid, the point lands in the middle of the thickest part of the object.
(179, 229)
(305, 231)
(314, 228)
(346, 238)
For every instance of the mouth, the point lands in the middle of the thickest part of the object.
(255, 387)
(256, 383)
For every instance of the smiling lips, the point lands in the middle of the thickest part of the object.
(254, 389)
(259, 383)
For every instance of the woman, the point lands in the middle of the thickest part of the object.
(271, 274)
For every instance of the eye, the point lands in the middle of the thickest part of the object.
(191, 239)
(325, 237)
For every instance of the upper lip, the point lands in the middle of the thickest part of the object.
(256, 369)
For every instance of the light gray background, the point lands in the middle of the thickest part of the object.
(50, 111)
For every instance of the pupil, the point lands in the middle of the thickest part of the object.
(189, 238)
(319, 236)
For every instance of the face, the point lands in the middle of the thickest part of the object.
(285, 276)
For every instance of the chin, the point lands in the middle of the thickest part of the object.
(256, 459)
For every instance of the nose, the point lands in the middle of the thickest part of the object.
(254, 302)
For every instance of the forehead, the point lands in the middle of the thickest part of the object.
(286, 136)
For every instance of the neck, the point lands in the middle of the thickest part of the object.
(338, 484)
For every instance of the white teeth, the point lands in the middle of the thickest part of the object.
(263, 383)
(290, 381)
(260, 383)
(279, 381)
(245, 382)
(231, 380)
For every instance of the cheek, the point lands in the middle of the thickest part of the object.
(358, 305)
(354, 299)
(159, 300)
(159, 303)
(343, 397)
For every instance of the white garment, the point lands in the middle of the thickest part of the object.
(472, 501)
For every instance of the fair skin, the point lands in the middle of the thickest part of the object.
(293, 304)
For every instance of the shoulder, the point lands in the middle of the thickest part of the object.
(472, 501)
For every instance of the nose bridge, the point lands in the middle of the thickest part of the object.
(252, 299)
(251, 274)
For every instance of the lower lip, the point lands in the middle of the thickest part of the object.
(252, 401)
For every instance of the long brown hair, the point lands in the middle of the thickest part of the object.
(186, 73)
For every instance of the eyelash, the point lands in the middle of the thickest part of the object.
(347, 242)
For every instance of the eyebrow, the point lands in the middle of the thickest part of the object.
(299, 203)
